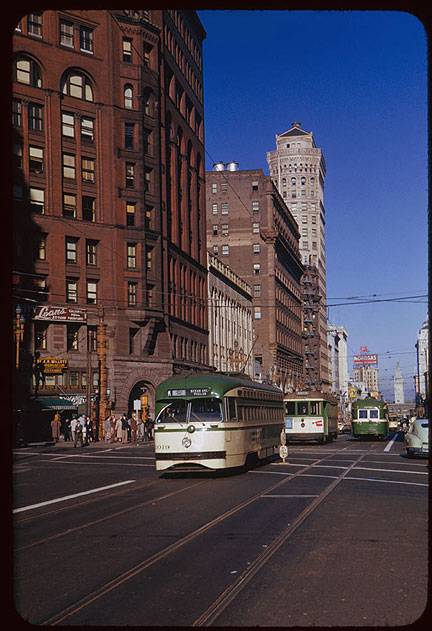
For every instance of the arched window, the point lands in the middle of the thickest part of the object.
(77, 85)
(293, 181)
(128, 97)
(27, 71)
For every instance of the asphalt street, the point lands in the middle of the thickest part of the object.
(336, 536)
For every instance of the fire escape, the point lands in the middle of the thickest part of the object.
(311, 300)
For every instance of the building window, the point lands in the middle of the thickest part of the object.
(71, 247)
(91, 338)
(73, 337)
(224, 208)
(214, 188)
(88, 208)
(130, 175)
(128, 97)
(78, 86)
(16, 113)
(314, 219)
(304, 218)
(91, 292)
(215, 250)
(147, 180)
(86, 39)
(91, 252)
(69, 205)
(255, 228)
(129, 135)
(131, 256)
(74, 379)
(18, 155)
(132, 334)
(130, 213)
(257, 313)
(147, 49)
(69, 166)
(149, 258)
(127, 50)
(256, 248)
(41, 250)
(256, 269)
(215, 230)
(71, 290)
(314, 245)
(66, 34)
(87, 129)
(224, 187)
(257, 291)
(147, 141)
(255, 185)
(27, 72)
(255, 206)
(214, 209)
(224, 229)
(68, 125)
(41, 336)
(37, 200)
(34, 24)
(225, 250)
(88, 170)
(132, 289)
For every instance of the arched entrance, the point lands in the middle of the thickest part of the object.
(141, 399)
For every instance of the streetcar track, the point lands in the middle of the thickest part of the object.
(105, 518)
(158, 556)
(230, 593)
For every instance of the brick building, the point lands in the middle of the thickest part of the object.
(109, 197)
(250, 228)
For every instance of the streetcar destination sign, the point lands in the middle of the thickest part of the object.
(189, 392)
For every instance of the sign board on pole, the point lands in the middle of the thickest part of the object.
(137, 405)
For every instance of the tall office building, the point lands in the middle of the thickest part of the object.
(109, 198)
(338, 353)
(422, 348)
(250, 229)
(297, 168)
(399, 396)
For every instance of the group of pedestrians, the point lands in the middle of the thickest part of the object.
(128, 429)
(78, 430)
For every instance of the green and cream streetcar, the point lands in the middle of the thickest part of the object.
(370, 418)
(212, 421)
(311, 416)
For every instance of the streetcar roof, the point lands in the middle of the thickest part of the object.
(312, 396)
(208, 384)
(369, 402)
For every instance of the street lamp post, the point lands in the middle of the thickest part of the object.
(19, 333)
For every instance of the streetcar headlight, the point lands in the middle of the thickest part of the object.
(191, 429)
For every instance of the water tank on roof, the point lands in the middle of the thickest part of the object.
(218, 166)
(232, 166)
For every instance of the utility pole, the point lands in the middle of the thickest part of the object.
(101, 352)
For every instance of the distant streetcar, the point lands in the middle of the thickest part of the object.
(213, 421)
(313, 416)
(370, 418)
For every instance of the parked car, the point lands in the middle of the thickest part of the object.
(416, 440)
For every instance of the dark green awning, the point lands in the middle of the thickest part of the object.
(55, 403)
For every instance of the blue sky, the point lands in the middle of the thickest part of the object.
(358, 81)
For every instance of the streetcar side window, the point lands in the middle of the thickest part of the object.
(373, 413)
(231, 408)
(362, 413)
(290, 408)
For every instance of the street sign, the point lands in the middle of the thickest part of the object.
(137, 404)
(283, 452)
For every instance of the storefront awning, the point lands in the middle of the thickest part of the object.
(55, 403)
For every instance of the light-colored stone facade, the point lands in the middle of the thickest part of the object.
(230, 319)
(422, 359)
(399, 396)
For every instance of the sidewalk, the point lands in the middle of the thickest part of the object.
(101, 443)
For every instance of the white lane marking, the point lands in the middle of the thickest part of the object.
(316, 475)
(103, 457)
(386, 481)
(390, 444)
(69, 497)
(411, 464)
(270, 472)
(289, 495)
(287, 464)
(393, 470)
(119, 464)
(328, 466)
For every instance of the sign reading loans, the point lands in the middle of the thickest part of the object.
(60, 314)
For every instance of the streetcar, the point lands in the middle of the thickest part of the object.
(370, 418)
(214, 421)
(311, 416)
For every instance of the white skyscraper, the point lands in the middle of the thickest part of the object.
(399, 395)
(422, 358)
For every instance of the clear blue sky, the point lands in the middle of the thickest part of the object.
(358, 81)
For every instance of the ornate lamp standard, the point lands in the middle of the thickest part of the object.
(19, 333)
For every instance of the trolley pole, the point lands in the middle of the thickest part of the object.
(101, 352)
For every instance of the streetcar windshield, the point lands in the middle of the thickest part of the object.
(206, 410)
(373, 413)
(175, 412)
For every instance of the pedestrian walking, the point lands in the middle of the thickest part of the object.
(140, 428)
(55, 427)
(150, 422)
(118, 430)
(125, 427)
(133, 426)
(73, 425)
(107, 428)
(88, 431)
(79, 434)
(67, 430)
